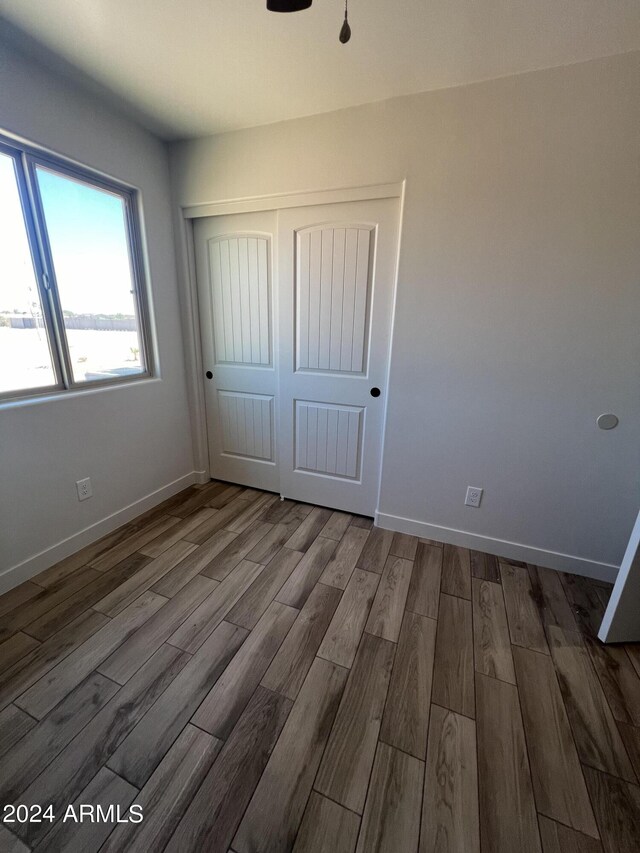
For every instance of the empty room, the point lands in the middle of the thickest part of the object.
(319, 426)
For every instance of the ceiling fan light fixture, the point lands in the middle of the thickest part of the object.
(288, 5)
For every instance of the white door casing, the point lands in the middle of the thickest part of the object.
(336, 274)
(234, 264)
(621, 622)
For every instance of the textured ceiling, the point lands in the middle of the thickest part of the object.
(195, 67)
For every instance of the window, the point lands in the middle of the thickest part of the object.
(72, 300)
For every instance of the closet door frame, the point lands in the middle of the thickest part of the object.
(184, 218)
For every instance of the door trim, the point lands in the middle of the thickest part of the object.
(256, 204)
(188, 292)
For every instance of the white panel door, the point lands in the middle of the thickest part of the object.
(336, 274)
(234, 260)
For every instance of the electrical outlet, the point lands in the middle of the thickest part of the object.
(474, 496)
(84, 489)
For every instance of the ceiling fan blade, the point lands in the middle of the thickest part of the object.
(287, 5)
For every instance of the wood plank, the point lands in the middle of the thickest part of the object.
(385, 618)
(406, 716)
(327, 828)
(221, 566)
(597, 739)
(337, 525)
(307, 573)
(307, 532)
(374, 554)
(127, 659)
(631, 739)
(362, 521)
(51, 576)
(121, 597)
(9, 843)
(37, 663)
(264, 589)
(222, 519)
(252, 513)
(106, 791)
(167, 794)
(604, 595)
(343, 561)
(298, 511)
(525, 626)
(618, 678)
(291, 664)
(14, 724)
(617, 808)
(228, 698)
(19, 595)
(160, 544)
(196, 562)
(15, 649)
(450, 808)
(391, 819)
(78, 763)
(225, 496)
(549, 596)
(275, 811)
(557, 838)
(456, 571)
(55, 619)
(30, 756)
(45, 694)
(585, 603)
(208, 496)
(346, 765)
(173, 504)
(213, 817)
(45, 601)
(342, 637)
(276, 512)
(143, 749)
(272, 543)
(424, 589)
(484, 566)
(453, 666)
(558, 783)
(491, 644)
(507, 808)
(251, 494)
(633, 650)
(132, 543)
(205, 618)
(403, 545)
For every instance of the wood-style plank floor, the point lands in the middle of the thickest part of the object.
(263, 676)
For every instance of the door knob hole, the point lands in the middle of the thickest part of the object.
(375, 392)
(209, 374)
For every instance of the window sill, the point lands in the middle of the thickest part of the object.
(74, 393)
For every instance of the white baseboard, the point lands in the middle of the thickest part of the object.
(512, 550)
(201, 477)
(39, 562)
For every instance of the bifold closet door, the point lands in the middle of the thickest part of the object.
(234, 260)
(336, 273)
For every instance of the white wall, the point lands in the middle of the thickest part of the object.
(518, 300)
(133, 440)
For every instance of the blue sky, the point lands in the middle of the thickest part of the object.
(88, 239)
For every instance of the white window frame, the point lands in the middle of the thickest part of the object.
(26, 160)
